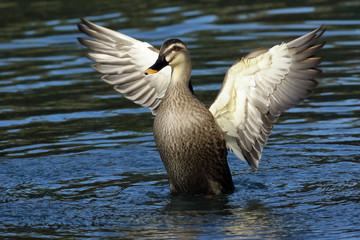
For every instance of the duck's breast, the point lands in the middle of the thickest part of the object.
(191, 146)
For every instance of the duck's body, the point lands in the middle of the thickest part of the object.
(192, 139)
(191, 145)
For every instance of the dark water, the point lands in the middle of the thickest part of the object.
(77, 160)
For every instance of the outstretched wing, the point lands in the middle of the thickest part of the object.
(123, 60)
(259, 87)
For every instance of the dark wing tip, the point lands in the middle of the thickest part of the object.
(81, 41)
(85, 21)
(81, 28)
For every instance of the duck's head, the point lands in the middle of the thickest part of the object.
(173, 52)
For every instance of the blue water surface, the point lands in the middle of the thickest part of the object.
(78, 160)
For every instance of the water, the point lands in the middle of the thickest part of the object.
(77, 160)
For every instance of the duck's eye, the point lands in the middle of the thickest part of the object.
(177, 48)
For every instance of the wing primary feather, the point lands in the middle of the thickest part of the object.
(110, 69)
(309, 62)
(93, 34)
(298, 56)
(310, 73)
(307, 38)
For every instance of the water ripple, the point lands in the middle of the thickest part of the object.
(78, 160)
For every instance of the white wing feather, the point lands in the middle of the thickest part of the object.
(259, 87)
(123, 60)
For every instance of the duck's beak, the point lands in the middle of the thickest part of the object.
(157, 66)
(150, 71)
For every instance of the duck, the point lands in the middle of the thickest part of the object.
(193, 139)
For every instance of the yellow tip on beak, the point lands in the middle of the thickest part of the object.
(150, 71)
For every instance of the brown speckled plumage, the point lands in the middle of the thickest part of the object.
(191, 145)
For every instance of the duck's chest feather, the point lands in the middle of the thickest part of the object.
(191, 146)
(182, 120)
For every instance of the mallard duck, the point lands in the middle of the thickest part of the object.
(193, 139)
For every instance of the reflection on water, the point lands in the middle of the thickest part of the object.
(77, 160)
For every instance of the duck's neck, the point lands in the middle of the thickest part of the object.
(180, 76)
